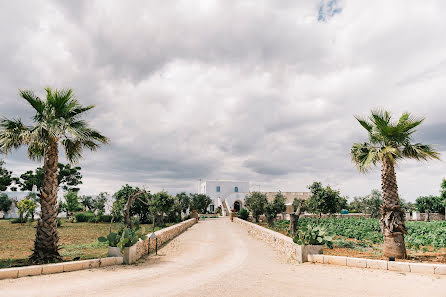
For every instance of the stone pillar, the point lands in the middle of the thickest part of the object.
(407, 216)
(416, 215)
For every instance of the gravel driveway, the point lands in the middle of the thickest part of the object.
(218, 258)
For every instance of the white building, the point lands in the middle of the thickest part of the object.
(231, 194)
(226, 194)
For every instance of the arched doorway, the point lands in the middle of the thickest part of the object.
(237, 206)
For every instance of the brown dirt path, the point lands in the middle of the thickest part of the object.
(218, 258)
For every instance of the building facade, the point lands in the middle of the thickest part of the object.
(231, 195)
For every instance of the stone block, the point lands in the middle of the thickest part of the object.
(130, 254)
(336, 260)
(119, 260)
(398, 266)
(441, 269)
(88, 264)
(108, 261)
(72, 266)
(377, 264)
(30, 270)
(8, 273)
(302, 251)
(422, 268)
(357, 262)
(316, 258)
(52, 268)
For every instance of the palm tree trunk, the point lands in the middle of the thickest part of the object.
(46, 244)
(392, 219)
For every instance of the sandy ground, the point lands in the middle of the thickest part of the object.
(218, 258)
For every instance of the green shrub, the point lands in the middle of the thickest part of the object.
(18, 221)
(83, 216)
(94, 219)
(105, 218)
(243, 214)
(313, 234)
(112, 238)
(59, 222)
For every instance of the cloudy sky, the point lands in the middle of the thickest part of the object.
(257, 90)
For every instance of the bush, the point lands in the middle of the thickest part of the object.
(83, 216)
(59, 222)
(243, 214)
(313, 234)
(105, 218)
(94, 219)
(18, 221)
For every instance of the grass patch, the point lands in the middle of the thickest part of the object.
(75, 240)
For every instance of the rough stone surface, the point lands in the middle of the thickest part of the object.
(72, 266)
(163, 235)
(130, 255)
(377, 264)
(399, 266)
(422, 268)
(8, 273)
(441, 269)
(357, 262)
(52, 268)
(281, 243)
(29, 270)
(88, 264)
(108, 261)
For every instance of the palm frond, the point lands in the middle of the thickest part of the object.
(364, 156)
(32, 99)
(13, 134)
(420, 151)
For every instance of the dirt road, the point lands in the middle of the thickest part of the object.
(218, 258)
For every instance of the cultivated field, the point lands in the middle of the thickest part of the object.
(76, 240)
(361, 237)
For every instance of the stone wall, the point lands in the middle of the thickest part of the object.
(163, 235)
(281, 243)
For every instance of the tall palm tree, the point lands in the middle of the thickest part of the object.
(389, 142)
(57, 121)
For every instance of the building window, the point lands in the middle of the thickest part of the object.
(218, 189)
(211, 208)
(236, 189)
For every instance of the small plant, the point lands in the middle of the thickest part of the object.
(130, 237)
(243, 214)
(313, 234)
(112, 239)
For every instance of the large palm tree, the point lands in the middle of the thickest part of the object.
(57, 121)
(389, 142)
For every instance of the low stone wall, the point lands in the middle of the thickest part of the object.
(427, 268)
(283, 244)
(16, 272)
(163, 235)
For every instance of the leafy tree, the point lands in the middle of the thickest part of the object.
(443, 191)
(430, 204)
(256, 203)
(5, 177)
(389, 142)
(369, 204)
(325, 199)
(243, 214)
(26, 207)
(184, 201)
(71, 203)
(139, 207)
(161, 204)
(299, 206)
(98, 203)
(273, 208)
(68, 177)
(5, 203)
(199, 202)
(86, 202)
(57, 120)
